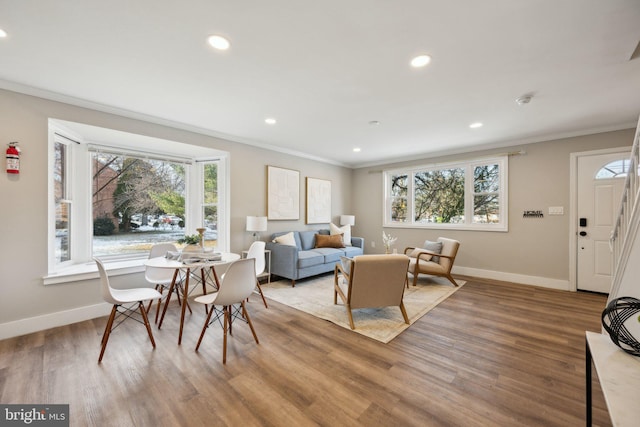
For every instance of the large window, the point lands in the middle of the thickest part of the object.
(117, 197)
(469, 195)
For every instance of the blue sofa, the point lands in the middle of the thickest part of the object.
(304, 259)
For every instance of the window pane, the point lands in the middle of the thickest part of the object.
(62, 249)
(399, 190)
(439, 196)
(59, 187)
(210, 213)
(136, 203)
(615, 169)
(486, 179)
(486, 209)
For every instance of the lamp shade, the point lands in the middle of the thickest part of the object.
(347, 220)
(256, 223)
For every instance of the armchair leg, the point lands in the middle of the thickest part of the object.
(452, 280)
(415, 277)
(350, 317)
(404, 313)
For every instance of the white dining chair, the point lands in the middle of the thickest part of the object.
(235, 287)
(120, 311)
(257, 252)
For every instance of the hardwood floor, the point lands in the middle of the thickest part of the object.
(493, 354)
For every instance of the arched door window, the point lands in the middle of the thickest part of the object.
(615, 169)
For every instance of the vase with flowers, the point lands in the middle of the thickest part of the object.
(388, 241)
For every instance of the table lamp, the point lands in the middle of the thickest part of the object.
(256, 224)
(347, 220)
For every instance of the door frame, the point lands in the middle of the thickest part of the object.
(573, 208)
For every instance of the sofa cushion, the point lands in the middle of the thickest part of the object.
(309, 259)
(333, 241)
(330, 254)
(307, 240)
(351, 251)
(286, 239)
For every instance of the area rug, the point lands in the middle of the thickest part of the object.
(315, 296)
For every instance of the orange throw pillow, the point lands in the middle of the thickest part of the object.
(325, 241)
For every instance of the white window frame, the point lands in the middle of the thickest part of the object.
(79, 173)
(469, 193)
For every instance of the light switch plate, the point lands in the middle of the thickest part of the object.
(556, 210)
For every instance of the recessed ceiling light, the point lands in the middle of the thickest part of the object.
(374, 122)
(3, 33)
(420, 61)
(270, 121)
(475, 125)
(356, 150)
(219, 42)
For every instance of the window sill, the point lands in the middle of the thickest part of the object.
(461, 227)
(89, 271)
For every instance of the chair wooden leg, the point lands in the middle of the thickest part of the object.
(261, 294)
(146, 323)
(415, 276)
(204, 328)
(151, 301)
(450, 277)
(161, 290)
(227, 314)
(107, 332)
(253, 331)
(350, 317)
(404, 313)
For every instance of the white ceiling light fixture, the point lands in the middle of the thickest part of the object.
(420, 61)
(270, 121)
(476, 125)
(356, 150)
(3, 33)
(218, 42)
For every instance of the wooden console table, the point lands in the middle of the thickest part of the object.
(619, 375)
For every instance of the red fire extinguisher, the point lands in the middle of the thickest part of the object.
(13, 158)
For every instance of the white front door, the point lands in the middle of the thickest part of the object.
(597, 209)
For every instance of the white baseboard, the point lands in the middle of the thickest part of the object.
(544, 282)
(52, 320)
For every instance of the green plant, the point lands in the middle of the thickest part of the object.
(190, 239)
(103, 226)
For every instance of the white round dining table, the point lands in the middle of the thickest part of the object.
(187, 269)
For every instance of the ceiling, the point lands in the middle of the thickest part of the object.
(326, 69)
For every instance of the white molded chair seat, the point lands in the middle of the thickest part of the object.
(120, 297)
(235, 287)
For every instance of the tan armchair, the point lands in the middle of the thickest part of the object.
(421, 261)
(371, 281)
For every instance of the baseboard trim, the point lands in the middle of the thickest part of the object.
(544, 282)
(52, 320)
